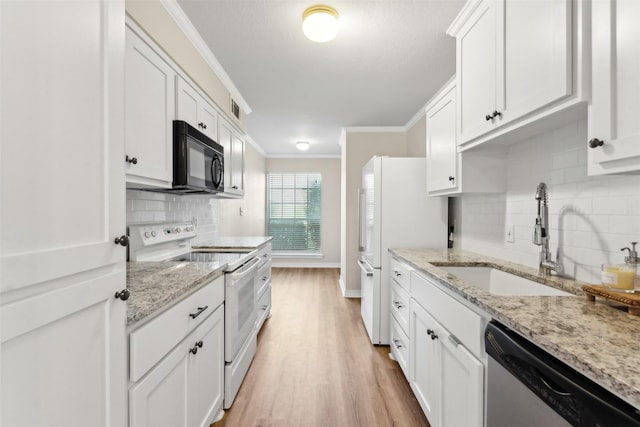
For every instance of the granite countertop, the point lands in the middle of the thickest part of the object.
(232, 243)
(600, 341)
(156, 285)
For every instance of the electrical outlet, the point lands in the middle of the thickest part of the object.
(510, 233)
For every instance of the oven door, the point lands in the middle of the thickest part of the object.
(240, 307)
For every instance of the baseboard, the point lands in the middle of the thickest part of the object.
(304, 264)
(346, 293)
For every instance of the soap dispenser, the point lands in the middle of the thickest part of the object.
(622, 277)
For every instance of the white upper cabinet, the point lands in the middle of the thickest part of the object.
(515, 65)
(233, 143)
(194, 109)
(614, 128)
(62, 334)
(150, 109)
(442, 155)
(449, 172)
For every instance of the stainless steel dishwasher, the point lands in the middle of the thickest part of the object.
(527, 387)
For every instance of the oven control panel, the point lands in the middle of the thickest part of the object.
(144, 235)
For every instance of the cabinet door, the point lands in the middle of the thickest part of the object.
(208, 120)
(537, 53)
(64, 349)
(150, 109)
(194, 109)
(187, 102)
(424, 362)
(162, 399)
(237, 164)
(462, 379)
(207, 371)
(442, 156)
(63, 200)
(613, 113)
(476, 63)
(225, 138)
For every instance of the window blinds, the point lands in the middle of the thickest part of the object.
(293, 211)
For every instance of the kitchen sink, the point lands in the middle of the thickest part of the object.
(498, 282)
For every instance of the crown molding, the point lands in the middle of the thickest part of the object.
(178, 15)
(255, 145)
(303, 156)
(374, 129)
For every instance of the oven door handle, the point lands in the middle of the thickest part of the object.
(251, 267)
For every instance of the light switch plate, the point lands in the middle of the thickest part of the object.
(510, 234)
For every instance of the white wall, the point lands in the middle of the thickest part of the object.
(591, 218)
(252, 221)
(330, 228)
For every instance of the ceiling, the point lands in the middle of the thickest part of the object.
(388, 59)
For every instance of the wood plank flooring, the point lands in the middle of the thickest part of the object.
(315, 365)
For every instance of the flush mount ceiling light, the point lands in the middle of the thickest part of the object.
(320, 23)
(303, 145)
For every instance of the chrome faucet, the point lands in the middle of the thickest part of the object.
(541, 234)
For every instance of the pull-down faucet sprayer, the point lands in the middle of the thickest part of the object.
(541, 233)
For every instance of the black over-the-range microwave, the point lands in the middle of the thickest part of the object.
(198, 161)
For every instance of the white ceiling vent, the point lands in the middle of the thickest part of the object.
(235, 109)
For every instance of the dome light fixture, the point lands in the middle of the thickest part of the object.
(320, 23)
(303, 145)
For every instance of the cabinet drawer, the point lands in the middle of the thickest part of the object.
(400, 273)
(263, 279)
(263, 308)
(400, 306)
(466, 325)
(152, 341)
(400, 346)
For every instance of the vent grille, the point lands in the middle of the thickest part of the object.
(235, 109)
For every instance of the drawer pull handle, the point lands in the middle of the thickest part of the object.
(200, 310)
(397, 273)
(264, 307)
(398, 344)
(454, 340)
(264, 278)
(398, 305)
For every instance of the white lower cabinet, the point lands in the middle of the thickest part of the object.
(446, 370)
(185, 388)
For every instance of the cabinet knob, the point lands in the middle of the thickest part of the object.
(595, 143)
(193, 350)
(434, 337)
(488, 117)
(123, 294)
(397, 344)
(122, 240)
(429, 331)
(235, 187)
(202, 125)
(452, 178)
(133, 160)
(495, 114)
(200, 344)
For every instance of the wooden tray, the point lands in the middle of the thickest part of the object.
(629, 300)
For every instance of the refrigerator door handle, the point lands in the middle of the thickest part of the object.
(361, 219)
(364, 266)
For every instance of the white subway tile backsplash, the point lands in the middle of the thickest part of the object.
(591, 218)
(148, 206)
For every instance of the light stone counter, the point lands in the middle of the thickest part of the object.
(232, 244)
(155, 286)
(600, 341)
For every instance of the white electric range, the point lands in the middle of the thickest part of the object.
(171, 242)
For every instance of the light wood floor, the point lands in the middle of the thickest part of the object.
(315, 365)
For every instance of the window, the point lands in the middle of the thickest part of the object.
(293, 211)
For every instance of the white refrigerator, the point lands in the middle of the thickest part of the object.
(395, 211)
